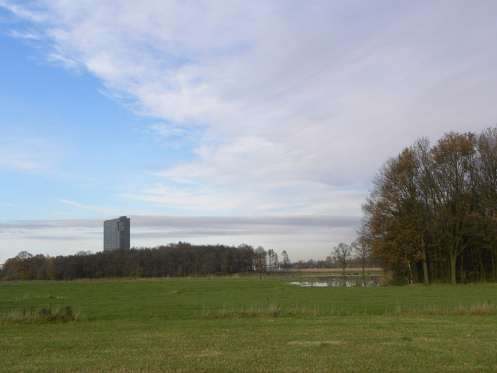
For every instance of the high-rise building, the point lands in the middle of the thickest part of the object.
(116, 234)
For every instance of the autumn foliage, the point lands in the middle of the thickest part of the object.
(432, 215)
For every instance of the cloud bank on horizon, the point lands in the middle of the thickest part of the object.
(301, 236)
(290, 106)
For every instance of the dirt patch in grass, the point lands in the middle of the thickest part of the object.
(314, 343)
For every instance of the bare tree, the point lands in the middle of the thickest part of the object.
(342, 253)
(260, 260)
(285, 260)
(272, 260)
(360, 248)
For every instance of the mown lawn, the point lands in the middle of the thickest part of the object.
(229, 324)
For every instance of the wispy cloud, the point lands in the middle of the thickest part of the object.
(25, 154)
(299, 103)
(22, 11)
(25, 35)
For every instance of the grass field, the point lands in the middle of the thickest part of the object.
(245, 324)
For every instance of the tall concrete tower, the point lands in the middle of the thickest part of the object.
(117, 234)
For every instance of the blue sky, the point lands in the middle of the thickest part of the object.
(72, 140)
(211, 110)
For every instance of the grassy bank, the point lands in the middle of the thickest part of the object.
(246, 325)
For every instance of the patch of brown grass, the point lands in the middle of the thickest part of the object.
(41, 315)
(478, 309)
(314, 343)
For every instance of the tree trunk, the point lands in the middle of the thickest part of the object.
(426, 279)
(461, 270)
(363, 272)
(409, 280)
(452, 268)
(493, 267)
(483, 273)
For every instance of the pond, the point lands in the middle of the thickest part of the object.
(336, 282)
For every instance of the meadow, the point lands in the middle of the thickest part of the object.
(245, 324)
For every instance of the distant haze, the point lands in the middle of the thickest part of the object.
(302, 237)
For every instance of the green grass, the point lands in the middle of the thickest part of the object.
(246, 324)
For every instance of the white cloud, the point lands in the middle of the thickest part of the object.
(25, 35)
(299, 102)
(22, 11)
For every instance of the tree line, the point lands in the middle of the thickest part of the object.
(181, 259)
(432, 215)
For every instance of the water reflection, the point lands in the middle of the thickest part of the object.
(337, 282)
